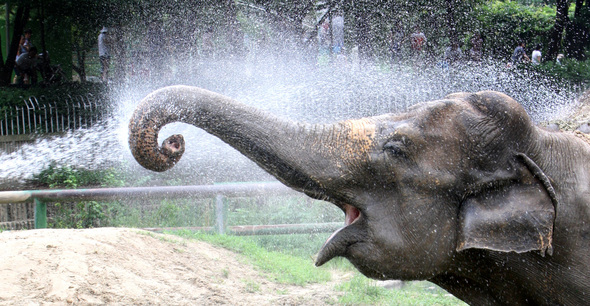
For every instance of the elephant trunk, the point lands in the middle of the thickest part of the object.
(299, 155)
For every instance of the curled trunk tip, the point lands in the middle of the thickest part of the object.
(144, 127)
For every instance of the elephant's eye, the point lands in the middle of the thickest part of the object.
(396, 147)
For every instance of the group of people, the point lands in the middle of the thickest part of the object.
(453, 53)
(418, 40)
(25, 66)
(519, 55)
(28, 64)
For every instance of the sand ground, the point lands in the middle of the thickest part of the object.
(121, 266)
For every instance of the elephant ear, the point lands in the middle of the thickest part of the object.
(514, 213)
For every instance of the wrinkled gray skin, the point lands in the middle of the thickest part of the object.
(464, 192)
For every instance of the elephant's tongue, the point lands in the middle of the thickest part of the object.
(352, 213)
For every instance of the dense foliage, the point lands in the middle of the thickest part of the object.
(504, 24)
(569, 70)
(179, 27)
(71, 177)
(56, 93)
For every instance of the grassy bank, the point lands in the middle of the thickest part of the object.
(288, 259)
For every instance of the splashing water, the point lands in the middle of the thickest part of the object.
(298, 91)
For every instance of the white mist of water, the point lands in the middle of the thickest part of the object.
(298, 91)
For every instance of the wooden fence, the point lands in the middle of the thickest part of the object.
(17, 216)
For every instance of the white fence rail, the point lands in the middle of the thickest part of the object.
(37, 116)
(40, 198)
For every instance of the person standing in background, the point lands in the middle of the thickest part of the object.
(337, 34)
(519, 56)
(417, 44)
(476, 51)
(417, 41)
(104, 53)
(23, 47)
(25, 67)
(25, 43)
(396, 39)
(207, 46)
(536, 56)
(453, 54)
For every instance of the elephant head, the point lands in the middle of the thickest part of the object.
(418, 189)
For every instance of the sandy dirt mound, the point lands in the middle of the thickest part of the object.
(119, 266)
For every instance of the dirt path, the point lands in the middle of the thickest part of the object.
(119, 266)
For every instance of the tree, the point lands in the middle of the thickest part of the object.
(509, 22)
(288, 16)
(85, 24)
(80, 19)
(577, 32)
(361, 14)
(87, 17)
(561, 21)
(20, 19)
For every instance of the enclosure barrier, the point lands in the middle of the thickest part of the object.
(37, 116)
(219, 192)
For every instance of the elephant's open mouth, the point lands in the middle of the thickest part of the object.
(340, 240)
(352, 214)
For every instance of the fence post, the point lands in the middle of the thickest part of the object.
(40, 214)
(220, 214)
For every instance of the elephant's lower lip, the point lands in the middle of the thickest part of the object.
(336, 246)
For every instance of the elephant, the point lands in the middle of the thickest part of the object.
(465, 192)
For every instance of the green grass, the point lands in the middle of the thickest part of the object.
(281, 268)
(252, 286)
(287, 259)
(363, 291)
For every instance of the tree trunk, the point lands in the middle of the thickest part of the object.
(120, 56)
(20, 20)
(297, 22)
(42, 28)
(234, 33)
(561, 21)
(81, 58)
(577, 33)
(451, 23)
(363, 31)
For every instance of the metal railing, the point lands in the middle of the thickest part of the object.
(37, 118)
(37, 115)
(41, 197)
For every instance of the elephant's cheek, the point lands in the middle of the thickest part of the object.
(365, 258)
